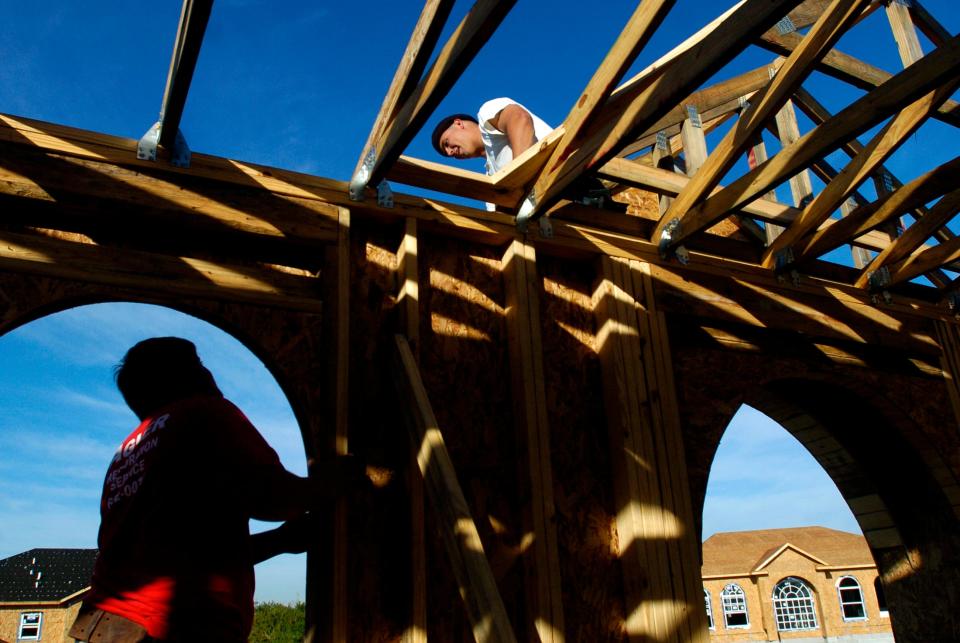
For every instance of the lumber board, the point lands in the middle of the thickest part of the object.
(901, 24)
(522, 287)
(929, 25)
(913, 236)
(422, 42)
(949, 339)
(921, 261)
(788, 131)
(768, 101)
(864, 164)
(166, 276)
(635, 35)
(629, 113)
(906, 87)
(459, 50)
(478, 589)
(924, 188)
(712, 118)
(408, 299)
(850, 70)
(452, 180)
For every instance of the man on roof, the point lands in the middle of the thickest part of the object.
(502, 130)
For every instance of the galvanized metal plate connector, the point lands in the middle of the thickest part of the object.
(360, 180)
(149, 142)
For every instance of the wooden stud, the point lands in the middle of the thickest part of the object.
(901, 24)
(949, 338)
(768, 101)
(478, 588)
(905, 88)
(408, 300)
(341, 425)
(522, 289)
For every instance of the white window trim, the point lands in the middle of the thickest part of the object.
(23, 623)
(810, 597)
(708, 603)
(723, 607)
(863, 602)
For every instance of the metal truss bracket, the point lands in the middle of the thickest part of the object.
(743, 101)
(662, 141)
(953, 300)
(783, 259)
(879, 279)
(670, 232)
(694, 115)
(546, 228)
(384, 195)
(147, 147)
(785, 26)
(360, 180)
(883, 296)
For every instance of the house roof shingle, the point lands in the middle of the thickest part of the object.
(741, 552)
(45, 574)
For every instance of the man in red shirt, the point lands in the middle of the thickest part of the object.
(176, 556)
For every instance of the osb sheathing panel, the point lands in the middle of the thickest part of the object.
(465, 365)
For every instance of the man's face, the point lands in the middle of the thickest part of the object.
(462, 140)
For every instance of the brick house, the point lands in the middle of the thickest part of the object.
(40, 593)
(798, 584)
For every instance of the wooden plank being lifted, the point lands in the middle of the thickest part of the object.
(478, 588)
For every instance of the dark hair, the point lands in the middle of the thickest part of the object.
(161, 370)
(442, 127)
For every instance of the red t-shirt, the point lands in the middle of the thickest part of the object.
(174, 531)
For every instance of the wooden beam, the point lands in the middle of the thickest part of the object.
(913, 236)
(478, 589)
(656, 535)
(906, 87)
(474, 30)
(901, 24)
(451, 180)
(924, 188)
(768, 101)
(864, 164)
(167, 276)
(929, 25)
(522, 288)
(850, 70)
(635, 35)
(922, 261)
(408, 300)
(788, 131)
(423, 40)
(949, 337)
(712, 118)
(631, 111)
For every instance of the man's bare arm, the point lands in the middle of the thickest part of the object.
(517, 124)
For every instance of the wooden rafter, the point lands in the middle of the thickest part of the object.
(426, 34)
(904, 88)
(864, 164)
(635, 35)
(925, 188)
(913, 236)
(641, 102)
(768, 101)
(474, 30)
(852, 70)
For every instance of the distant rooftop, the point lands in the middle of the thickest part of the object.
(45, 574)
(741, 552)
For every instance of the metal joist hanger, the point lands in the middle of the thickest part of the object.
(166, 132)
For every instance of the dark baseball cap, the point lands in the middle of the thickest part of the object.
(442, 127)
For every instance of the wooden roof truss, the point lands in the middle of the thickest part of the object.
(620, 131)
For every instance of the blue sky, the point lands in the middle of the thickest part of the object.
(298, 84)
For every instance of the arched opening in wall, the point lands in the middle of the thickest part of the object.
(773, 515)
(63, 418)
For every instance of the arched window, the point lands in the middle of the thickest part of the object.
(707, 603)
(881, 597)
(734, 606)
(851, 599)
(793, 606)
